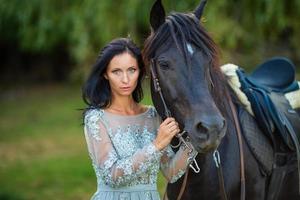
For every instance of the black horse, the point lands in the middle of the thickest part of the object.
(197, 94)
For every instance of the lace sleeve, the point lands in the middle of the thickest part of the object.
(174, 165)
(115, 171)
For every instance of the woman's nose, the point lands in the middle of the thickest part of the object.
(125, 78)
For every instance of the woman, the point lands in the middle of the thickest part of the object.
(125, 140)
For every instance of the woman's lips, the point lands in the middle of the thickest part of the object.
(125, 88)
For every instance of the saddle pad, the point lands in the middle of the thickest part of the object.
(294, 98)
(258, 143)
(230, 71)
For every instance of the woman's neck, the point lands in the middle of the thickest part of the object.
(125, 105)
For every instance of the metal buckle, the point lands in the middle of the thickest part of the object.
(217, 159)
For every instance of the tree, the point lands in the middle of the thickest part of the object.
(246, 30)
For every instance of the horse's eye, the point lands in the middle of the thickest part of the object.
(164, 65)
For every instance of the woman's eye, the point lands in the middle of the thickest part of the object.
(116, 71)
(132, 70)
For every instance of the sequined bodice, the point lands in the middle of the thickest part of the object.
(122, 151)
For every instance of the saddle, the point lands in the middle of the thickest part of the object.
(276, 74)
(270, 94)
(265, 89)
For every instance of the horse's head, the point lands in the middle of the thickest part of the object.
(185, 60)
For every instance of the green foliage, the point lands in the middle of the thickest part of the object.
(82, 27)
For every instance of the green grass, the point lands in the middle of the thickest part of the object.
(42, 147)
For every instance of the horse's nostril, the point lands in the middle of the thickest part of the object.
(206, 128)
(203, 131)
(201, 128)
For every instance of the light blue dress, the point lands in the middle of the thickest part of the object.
(124, 158)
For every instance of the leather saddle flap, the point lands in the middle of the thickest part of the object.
(277, 73)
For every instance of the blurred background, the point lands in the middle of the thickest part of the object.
(47, 48)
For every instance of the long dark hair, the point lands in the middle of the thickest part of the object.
(96, 91)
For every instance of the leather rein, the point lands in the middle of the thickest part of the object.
(168, 114)
(216, 154)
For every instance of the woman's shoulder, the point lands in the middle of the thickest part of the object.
(94, 123)
(93, 114)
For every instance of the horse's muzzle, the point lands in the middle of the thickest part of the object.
(207, 137)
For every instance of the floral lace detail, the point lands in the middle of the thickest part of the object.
(152, 112)
(130, 176)
(151, 150)
(124, 141)
(146, 136)
(122, 151)
(169, 151)
(126, 166)
(112, 158)
(177, 176)
(91, 121)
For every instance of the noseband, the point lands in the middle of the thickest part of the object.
(167, 112)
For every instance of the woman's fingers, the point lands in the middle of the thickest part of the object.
(176, 130)
(168, 120)
(173, 127)
(170, 126)
(167, 130)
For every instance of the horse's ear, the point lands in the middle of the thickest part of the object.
(199, 10)
(157, 15)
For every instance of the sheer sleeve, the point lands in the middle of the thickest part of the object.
(115, 171)
(174, 165)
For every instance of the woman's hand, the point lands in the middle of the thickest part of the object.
(166, 132)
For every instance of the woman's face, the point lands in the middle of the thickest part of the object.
(122, 74)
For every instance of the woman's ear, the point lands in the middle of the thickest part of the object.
(105, 76)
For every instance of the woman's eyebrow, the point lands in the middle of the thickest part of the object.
(116, 68)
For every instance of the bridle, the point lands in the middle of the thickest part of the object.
(167, 112)
(216, 155)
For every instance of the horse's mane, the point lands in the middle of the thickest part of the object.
(183, 28)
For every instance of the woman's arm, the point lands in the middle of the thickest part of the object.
(174, 165)
(115, 171)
